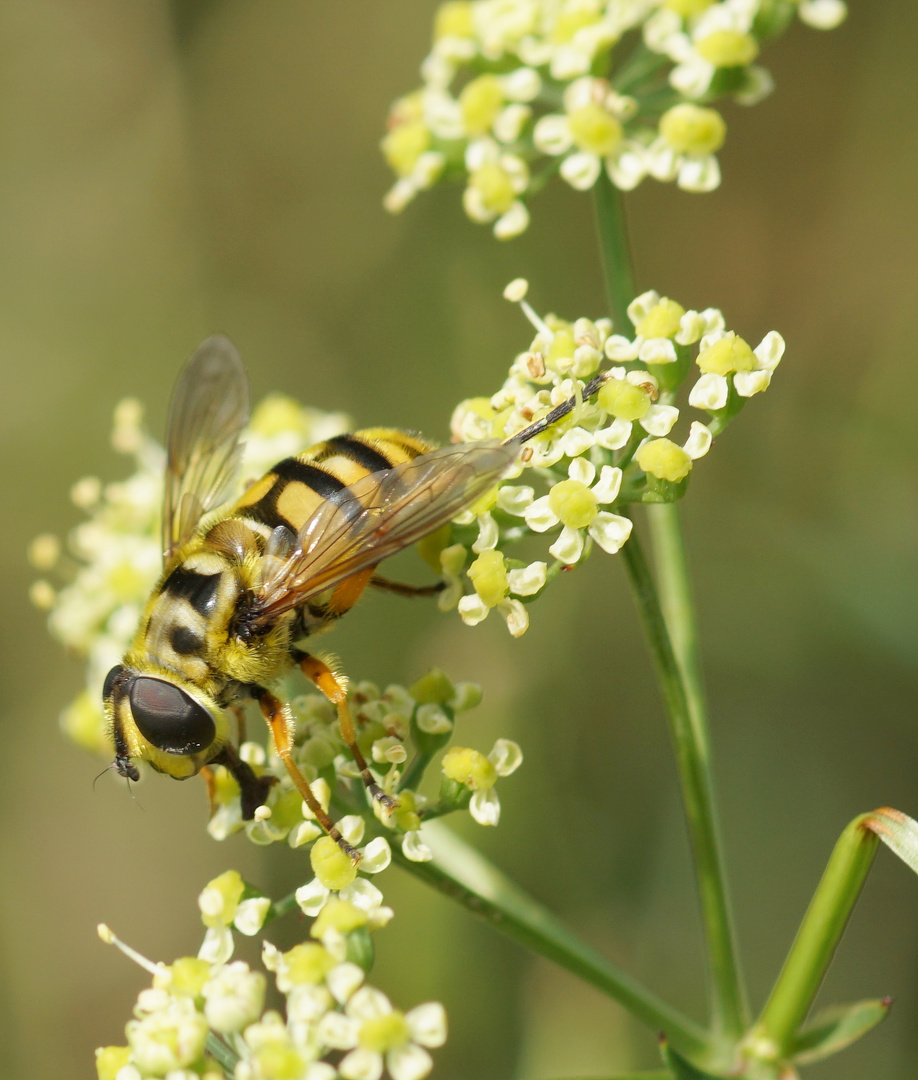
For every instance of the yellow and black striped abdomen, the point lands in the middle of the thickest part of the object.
(295, 488)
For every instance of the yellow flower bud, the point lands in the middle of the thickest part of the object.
(110, 1059)
(662, 320)
(729, 353)
(690, 129)
(278, 1061)
(404, 144)
(567, 23)
(623, 399)
(220, 898)
(469, 767)
(338, 915)
(494, 186)
(308, 964)
(330, 865)
(480, 101)
(562, 344)
(686, 8)
(453, 19)
(573, 503)
(728, 48)
(594, 129)
(276, 414)
(406, 815)
(188, 976)
(663, 459)
(434, 688)
(384, 1033)
(488, 573)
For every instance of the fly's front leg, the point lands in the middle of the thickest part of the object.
(335, 689)
(253, 790)
(280, 723)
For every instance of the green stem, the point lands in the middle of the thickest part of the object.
(680, 680)
(816, 940)
(614, 251)
(690, 741)
(462, 873)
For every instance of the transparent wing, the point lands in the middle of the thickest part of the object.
(210, 407)
(374, 518)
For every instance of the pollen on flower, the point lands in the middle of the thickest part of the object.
(330, 865)
(690, 129)
(729, 353)
(469, 767)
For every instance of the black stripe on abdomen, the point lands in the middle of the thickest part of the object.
(322, 483)
(358, 451)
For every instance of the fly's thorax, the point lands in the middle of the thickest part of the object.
(188, 614)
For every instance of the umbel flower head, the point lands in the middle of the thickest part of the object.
(627, 441)
(514, 91)
(205, 1018)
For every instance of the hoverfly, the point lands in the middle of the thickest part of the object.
(243, 583)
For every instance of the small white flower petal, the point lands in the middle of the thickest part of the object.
(361, 1064)
(770, 350)
(569, 546)
(552, 135)
(581, 170)
(582, 470)
(699, 441)
(484, 806)
(414, 848)
(748, 383)
(822, 14)
(610, 531)
(343, 980)
(528, 580)
(430, 717)
(472, 609)
(311, 897)
(615, 435)
(621, 348)
(338, 1031)
(408, 1062)
(427, 1024)
(506, 756)
(303, 834)
(362, 893)
(657, 351)
(576, 442)
(217, 946)
(516, 616)
(376, 856)
(700, 173)
(514, 222)
(488, 534)
(607, 487)
(539, 517)
(710, 392)
(523, 84)
(659, 419)
(251, 914)
(514, 500)
(369, 1004)
(352, 828)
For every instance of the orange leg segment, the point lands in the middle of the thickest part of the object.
(278, 720)
(335, 689)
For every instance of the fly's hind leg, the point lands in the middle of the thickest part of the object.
(325, 680)
(280, 723)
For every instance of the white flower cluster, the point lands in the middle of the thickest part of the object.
(514, 90)
(205, 1018)
(611, 448)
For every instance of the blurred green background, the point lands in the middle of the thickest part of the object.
(169, 170)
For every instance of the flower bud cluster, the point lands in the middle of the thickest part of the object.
(205, 1018)
(517, 90)
(614, 445)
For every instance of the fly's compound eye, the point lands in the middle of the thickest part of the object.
(110, 679)
(170, 719)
